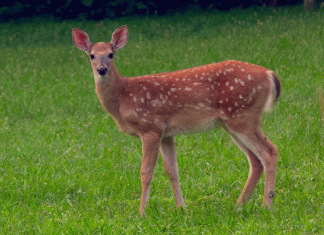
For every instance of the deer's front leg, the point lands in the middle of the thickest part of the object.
(168, 151)
(150, 148)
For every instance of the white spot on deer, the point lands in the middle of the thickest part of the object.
(236, 104)
(227, 83)
(144, 88)
(188, 88)
(134, 98)
(236, 80)
(249, 77)
(179, 105)
(201, 105)
(242, 70)
(240, 97)
(179, 88)
(173, 89)
(197, 83)
(242, 83)
(156, 102)
(135, 114)
(208, 100)
(156, 84)
(209, 79)
(212, 87)
(148, 95)
(259, 87)
(231, 88)
(230, 109)
(221, 101)
(169, 93)
(142, 100)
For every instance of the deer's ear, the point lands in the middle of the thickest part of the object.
(80, 39)
(120, 37)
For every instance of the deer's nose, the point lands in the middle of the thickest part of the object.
(102, 70)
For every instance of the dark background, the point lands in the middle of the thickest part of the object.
(98, 9)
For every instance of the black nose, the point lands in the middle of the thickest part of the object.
(102, 71)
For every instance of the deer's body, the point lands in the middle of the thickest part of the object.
(156, 107)
(175, 102)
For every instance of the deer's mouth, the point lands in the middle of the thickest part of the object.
(102, 70)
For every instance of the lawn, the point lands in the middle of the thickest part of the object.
(66, 169)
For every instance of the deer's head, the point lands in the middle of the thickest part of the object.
(101, 54)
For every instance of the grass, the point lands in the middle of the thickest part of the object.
(66, 169)
(321, 102)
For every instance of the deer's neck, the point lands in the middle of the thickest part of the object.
(109, 90)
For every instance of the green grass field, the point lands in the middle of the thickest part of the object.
(66, 169)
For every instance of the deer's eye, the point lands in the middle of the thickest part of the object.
(92, 56)
(110, 55)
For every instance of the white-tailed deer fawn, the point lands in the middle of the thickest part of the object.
(156, 107)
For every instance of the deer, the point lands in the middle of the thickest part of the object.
(231, 95)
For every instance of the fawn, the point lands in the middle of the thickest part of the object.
(229, 94)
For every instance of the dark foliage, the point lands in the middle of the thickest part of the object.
(94, 9)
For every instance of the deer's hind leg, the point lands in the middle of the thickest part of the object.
(262, 155)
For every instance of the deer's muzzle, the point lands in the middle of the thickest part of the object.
(102, 70)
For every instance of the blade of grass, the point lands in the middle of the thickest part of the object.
(321, 102)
